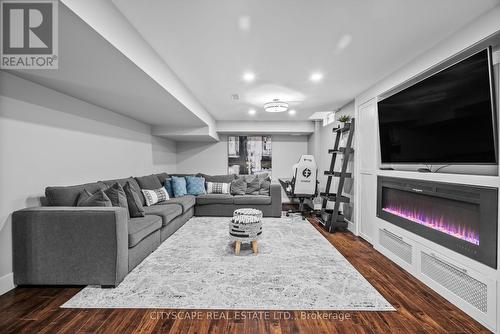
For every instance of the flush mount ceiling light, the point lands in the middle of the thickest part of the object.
(276, 106)
(292, 112)
(252, 112)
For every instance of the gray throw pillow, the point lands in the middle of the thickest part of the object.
(68, 196)
(97, 199)
(253, 186)
(117, 195)
(238, 186)
(134, 202)
(262, 176)
(123, 182)
(149, 182)
(162, 177)
(265, 186)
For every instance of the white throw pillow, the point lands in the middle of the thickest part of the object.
(155, 196)
(218, 188)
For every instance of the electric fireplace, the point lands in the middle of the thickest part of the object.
(462, 218)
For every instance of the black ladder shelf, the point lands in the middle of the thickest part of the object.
(335, 219)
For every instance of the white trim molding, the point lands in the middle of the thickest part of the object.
(6, 283)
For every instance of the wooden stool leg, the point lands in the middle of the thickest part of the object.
(254, 246)
(237, 246)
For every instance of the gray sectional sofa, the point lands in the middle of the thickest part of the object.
(62, 244)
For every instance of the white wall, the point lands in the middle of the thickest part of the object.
(211, 158)
(208, 158)
(48, 138)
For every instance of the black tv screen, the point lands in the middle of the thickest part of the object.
(447, 118)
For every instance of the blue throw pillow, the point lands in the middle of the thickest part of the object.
(168, 187)
(179, 186)
(195, 185)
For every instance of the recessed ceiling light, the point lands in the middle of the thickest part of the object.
(292, 112)
(244, 23)
(316, 77)
(248, 76)
(252, 112)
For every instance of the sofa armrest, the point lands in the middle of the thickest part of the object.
(275, 193)
(70, 245)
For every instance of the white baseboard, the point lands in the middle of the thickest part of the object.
(350, 226)
(6, 283)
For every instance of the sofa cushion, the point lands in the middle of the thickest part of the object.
(253, 186)
(262, 176)
(187, 202)
(252, 199)
(117, 195)
(179, 186)
(168, 187)
(218, 178)
(68, 196)
(181, 175)
(195, 185)
(167, 212)
(265, 186)
(149, 182)
(123, 182)
(238, 186)
(214, 199)
(162, 177)
(134, 202)
(99, 198)
(140, 228)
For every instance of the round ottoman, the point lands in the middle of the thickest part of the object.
(248, 212)
(245, 226)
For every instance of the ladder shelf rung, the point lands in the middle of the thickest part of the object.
(338, 174)
(340, 150)
(345, 128)
(333, 197)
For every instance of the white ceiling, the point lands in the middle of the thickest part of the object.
(355, 43)
(92, 70)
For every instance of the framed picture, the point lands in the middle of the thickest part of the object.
(249, 154)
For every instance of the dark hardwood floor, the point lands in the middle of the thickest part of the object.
(419, 309)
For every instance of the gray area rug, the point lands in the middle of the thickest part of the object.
(196, 268)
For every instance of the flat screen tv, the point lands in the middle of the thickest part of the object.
(447, 118)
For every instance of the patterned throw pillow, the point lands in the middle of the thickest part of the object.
(179, 186)
(155, 196)
(218, 188)
(195, 185)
